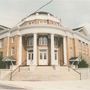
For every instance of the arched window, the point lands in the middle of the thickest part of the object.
(43, 40)
(30, 41)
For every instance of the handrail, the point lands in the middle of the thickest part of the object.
(12, 71)
(75, 71)
(11, 74)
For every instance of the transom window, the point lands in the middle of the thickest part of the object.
(56, 41)
(43, 40)
(30, 41)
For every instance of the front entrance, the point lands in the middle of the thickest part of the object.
(30, 57)
(56, 56)
(43, 57)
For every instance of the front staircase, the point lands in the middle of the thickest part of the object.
(44, 73)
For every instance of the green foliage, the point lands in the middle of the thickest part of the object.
(2, 64)
(83, 64)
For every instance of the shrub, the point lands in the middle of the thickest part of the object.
(2, 64)
(83, 64)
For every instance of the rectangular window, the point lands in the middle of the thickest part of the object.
(40, 55)
(30, 41)
(56, 55)
(1, 43)
(45, 56)
(32, 56)
(12, 51)
(29, 56)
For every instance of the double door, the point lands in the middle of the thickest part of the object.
(56, 57)
(43, 57)
(29, 57)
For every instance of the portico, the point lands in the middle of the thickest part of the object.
(42, 49)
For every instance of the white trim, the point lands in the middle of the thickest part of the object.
(28, 61)
(5, 34)
(65, 50)
(80, 38)
(20, 51)
(52, 49)
(35, 49)
(43, 30)
(42, 47)
(56, 60)
(44, 17)
(43, 61)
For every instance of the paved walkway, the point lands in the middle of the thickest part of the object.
(45, 85)
(9, 87)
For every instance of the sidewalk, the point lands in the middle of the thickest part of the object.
(50, 85)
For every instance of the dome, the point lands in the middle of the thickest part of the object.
(41, 15)
(38, 18)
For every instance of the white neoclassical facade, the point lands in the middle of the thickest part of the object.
(41, 39)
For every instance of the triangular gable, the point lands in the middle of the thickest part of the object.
(81, 30)
(3, 27)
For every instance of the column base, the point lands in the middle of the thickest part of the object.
(32, 67)
(56, 67)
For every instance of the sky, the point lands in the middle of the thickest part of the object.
(73, 13)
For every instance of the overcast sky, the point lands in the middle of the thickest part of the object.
(73, 13)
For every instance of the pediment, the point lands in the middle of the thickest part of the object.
(3, 27)
(83, 32)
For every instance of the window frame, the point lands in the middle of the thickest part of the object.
(30, 41)
(43, 40)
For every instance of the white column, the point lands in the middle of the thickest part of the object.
(65, 50)
(35, 49)
(52, 49)
(20, 51)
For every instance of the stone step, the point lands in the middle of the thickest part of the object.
(45, 73)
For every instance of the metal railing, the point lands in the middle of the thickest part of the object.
(13, 71)
(16, 69)
(69, 67)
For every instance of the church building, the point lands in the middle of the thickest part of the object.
(41, 40)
